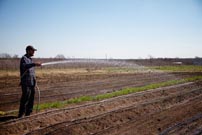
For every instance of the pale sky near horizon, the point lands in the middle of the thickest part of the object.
(99, 28)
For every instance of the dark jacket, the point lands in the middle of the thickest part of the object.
(27, 72)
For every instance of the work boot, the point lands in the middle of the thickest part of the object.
(28, 113)
(20, 115)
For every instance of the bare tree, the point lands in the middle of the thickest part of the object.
(150, 56)
(197, 57)
(15, 56)
(60, 56)
(5, 55)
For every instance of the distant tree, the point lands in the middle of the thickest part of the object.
(150, 56)
(196, 57)
(5, 55)
(60, 56)
(15, 56)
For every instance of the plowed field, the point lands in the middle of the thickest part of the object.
(173, 109)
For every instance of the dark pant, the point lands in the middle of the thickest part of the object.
(27, 100)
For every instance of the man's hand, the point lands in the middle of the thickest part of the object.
(38, 64)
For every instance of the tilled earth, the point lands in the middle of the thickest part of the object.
(168, 110)
(58, 90)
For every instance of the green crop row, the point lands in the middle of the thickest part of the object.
(179, 68)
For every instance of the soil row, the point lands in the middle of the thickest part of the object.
(66, 90)
(97, 117)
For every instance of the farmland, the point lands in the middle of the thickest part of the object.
(106, 97)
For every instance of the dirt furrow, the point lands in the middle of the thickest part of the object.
(190, 126)
(144, 108)
(11, 102)
(160, 122)
(51, 117)
(45, 119)
(59, 87)
(96, 123)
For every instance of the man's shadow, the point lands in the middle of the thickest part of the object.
(6, 118)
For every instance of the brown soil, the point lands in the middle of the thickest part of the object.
(169, 110)
(53, 89)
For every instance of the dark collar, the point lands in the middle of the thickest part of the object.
(27, 56)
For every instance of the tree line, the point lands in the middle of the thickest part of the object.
(6, 55)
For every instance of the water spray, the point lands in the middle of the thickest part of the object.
(53, 63)
(110, 62)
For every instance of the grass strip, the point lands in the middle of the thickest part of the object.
(2, 113)
(179, 68)
(125, 91)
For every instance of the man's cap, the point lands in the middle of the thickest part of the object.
(29, 47)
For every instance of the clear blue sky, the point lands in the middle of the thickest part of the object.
(96, 28)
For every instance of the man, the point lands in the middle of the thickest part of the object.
(28, 82)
